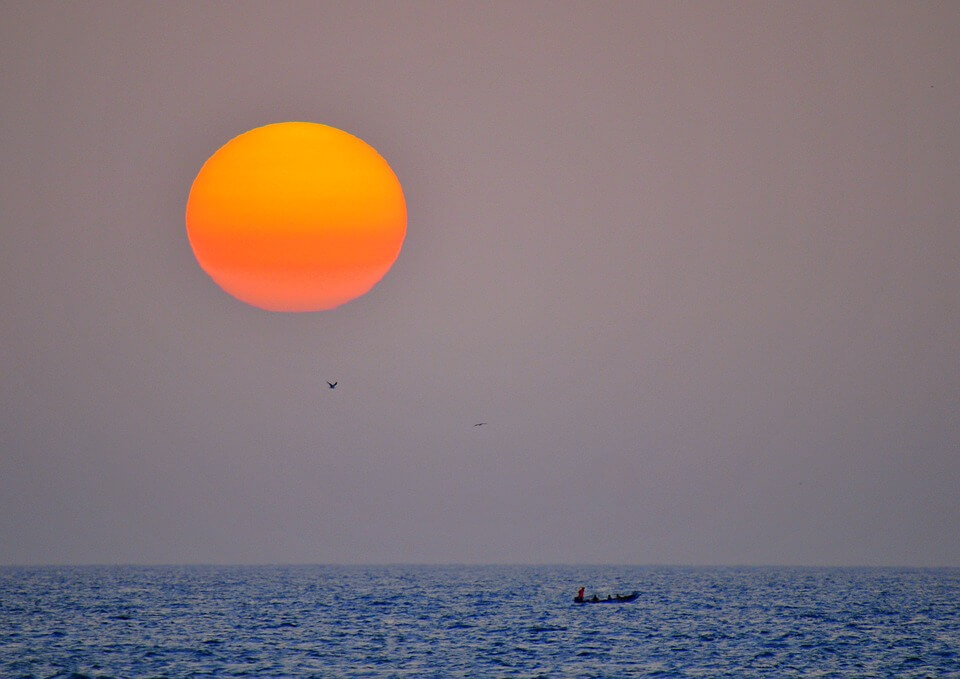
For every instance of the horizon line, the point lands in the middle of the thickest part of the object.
(458, 564)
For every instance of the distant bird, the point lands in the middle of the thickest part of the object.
(333, 385)
(479, 424)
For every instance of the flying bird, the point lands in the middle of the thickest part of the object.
(333, 385)
(479, 424)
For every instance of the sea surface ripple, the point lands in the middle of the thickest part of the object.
(460, 621)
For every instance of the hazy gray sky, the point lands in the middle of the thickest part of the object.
(697, 264)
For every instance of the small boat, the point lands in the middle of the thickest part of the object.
(609, 600)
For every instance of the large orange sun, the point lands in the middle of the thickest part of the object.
(296, 217)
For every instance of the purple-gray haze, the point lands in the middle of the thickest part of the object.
(696, 264)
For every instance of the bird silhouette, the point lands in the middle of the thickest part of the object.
(333, 385)
(479, 424)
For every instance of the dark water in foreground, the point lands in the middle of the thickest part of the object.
(199, 621)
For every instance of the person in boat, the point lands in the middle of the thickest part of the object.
(595, 598)
(609, 596)
(580, 593)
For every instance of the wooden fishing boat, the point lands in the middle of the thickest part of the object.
(609, 600)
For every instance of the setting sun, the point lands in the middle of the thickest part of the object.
(296, 217)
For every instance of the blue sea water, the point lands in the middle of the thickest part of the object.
(460, 621)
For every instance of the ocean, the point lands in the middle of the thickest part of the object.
(470, 621)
